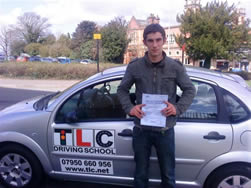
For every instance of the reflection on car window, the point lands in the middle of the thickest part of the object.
(99, 102)
(204, 105)
(234, 108)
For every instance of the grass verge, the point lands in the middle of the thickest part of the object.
(41, 70)
(249, 82)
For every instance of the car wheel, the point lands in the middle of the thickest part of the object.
(231, 176)
(19, 167)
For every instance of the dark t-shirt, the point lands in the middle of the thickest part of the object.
(155, 64)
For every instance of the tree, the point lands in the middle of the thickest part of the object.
(114, 40)
(31, 27)
(17, 47)
(88, 50)
(83, 33)
(5, 40)
(44, 50)
(212, 32)
(48, 39)
(33, 49)
(64, 40)
(58, 50)
(61, 47)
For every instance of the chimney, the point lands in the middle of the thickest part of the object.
(153, 19)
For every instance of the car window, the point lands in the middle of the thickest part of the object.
(204, 105)
(235, 109)
(98, 102)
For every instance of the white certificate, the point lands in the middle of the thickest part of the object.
(152, 109)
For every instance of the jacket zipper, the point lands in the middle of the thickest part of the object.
(154, 79)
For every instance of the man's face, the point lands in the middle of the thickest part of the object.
(154, 43)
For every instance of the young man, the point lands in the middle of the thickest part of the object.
(155, 73)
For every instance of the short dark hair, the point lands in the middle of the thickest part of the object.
(153, 28)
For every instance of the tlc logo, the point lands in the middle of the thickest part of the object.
(94, 138)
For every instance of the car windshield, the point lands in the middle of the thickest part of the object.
(59, 94)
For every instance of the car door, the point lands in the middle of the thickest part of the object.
(203, 132)
(91, 136)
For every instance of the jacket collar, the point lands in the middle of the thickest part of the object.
(149, 63)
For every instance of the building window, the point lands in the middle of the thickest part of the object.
(133, 37)
(177, 52)
(171, 39)
(186, 61)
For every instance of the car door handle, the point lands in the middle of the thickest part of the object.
(126, 132)
(214, 136)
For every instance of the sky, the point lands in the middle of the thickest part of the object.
(65, 15)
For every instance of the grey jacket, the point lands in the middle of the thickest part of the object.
(157, 79)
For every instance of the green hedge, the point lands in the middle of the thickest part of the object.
(42, 70)
(249, 82)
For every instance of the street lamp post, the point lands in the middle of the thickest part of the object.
(97, 37)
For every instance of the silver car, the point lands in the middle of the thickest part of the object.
(82, 134)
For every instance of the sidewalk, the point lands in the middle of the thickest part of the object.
(42, 85)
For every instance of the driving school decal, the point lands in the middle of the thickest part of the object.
(84, 141)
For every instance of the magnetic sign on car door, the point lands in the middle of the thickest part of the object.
(84, 141)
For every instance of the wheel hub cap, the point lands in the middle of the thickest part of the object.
(236, 181)
(15, 170)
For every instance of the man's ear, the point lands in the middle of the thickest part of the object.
(164, 40)
(144, 42)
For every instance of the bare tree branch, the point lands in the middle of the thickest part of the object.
(31, 27)
(5, 40)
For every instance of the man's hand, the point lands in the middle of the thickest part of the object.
(136, 111)
(169, 110)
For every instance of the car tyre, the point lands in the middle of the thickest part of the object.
(238, 175)
(19, 167)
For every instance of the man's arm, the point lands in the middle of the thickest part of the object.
(188, 89)
(123, 90)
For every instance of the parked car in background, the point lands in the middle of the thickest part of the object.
(11, 58)
(87, 61)
(35, 58)
(22, 59)
(2, 57)
(75, 60)
(64, 60)
(83, 134)
(54, 60)
(235, 69)
(48, 59)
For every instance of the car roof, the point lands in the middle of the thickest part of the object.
(192, 71)
(233, 83)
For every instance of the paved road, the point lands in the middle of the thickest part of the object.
(51, 183)
(11, 96)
